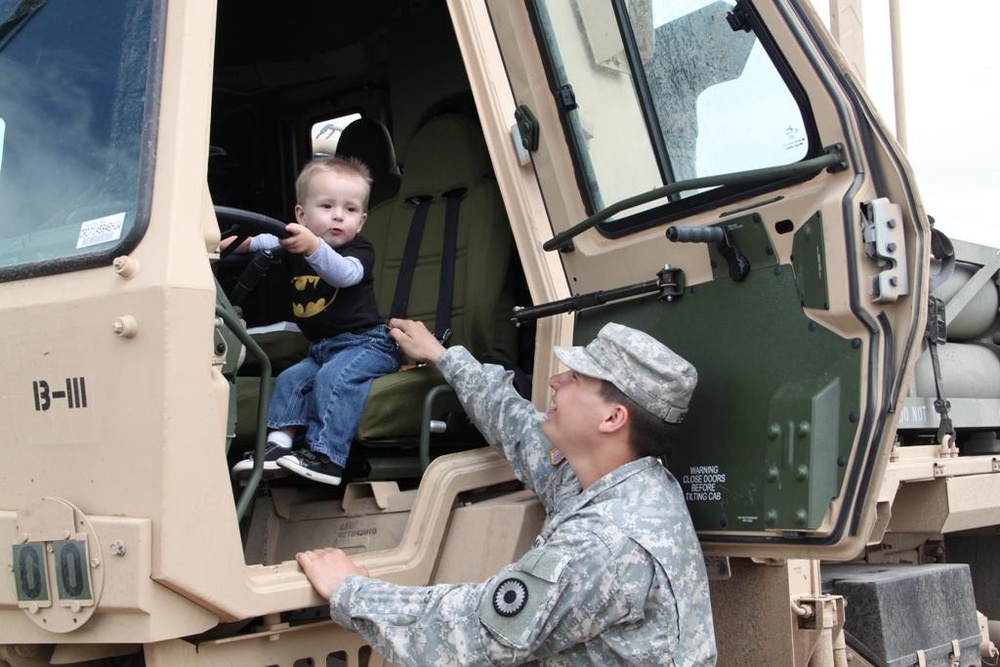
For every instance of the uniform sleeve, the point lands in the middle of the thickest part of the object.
(506, 419)
(548, 601)
(411, 625)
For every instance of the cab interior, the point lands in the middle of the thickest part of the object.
(286, 75)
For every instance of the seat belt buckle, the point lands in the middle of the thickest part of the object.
(443, 338)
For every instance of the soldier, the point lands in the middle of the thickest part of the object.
(616, 575)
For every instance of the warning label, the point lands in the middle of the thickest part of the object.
(701, 483)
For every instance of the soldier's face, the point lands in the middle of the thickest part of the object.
(576, 411)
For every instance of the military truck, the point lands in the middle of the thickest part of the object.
(709, 171)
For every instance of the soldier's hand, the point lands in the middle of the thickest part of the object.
(327, 568)
(415, 341)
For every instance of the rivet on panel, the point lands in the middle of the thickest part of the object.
(125, 266)
(125, 326)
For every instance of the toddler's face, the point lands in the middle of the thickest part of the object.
(334, 210)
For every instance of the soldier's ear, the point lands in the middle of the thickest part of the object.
(615, 418)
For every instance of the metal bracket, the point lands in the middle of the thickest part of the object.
(882, 231)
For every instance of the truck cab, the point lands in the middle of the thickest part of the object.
(708, 171)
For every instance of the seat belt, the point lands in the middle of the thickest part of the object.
(449, 248)
(401, 298)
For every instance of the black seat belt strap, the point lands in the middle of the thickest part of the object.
(446, 287)
(408, 264)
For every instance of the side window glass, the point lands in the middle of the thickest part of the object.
(76, 131)
(666, 90)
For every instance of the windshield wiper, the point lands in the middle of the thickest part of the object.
(18, 19)
(833, 160)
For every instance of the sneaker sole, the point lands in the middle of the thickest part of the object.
(302, 471)
(245, 466)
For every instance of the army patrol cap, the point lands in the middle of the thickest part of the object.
(643, 368)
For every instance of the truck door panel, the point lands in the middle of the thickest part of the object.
(795, 407)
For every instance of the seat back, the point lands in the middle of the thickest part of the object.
(446, 154)
(368, 140)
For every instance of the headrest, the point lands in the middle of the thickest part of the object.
(368, 140)
(447, 152)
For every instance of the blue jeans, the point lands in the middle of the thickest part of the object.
(326, 391)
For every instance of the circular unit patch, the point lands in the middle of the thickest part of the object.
(510, 597)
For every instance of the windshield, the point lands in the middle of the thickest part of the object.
(665, 91)
(73, 127)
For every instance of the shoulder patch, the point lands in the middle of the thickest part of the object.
(510, 597)
(515, 607)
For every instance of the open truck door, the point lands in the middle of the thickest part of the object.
(734, 196)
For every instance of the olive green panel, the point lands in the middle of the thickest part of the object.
(769, 431)
(800, 479)
(808, 256)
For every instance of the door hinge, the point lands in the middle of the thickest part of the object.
(885, 244)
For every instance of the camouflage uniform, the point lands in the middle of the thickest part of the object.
(616, 575)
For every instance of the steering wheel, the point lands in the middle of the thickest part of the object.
(243, 224)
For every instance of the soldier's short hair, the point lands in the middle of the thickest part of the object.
(648, 434)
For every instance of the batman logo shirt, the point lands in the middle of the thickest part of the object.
(322, 310)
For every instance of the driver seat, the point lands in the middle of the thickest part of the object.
(447, 155)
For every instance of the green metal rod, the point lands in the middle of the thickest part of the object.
(425, 424)
(833, 159)
(263, 397)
